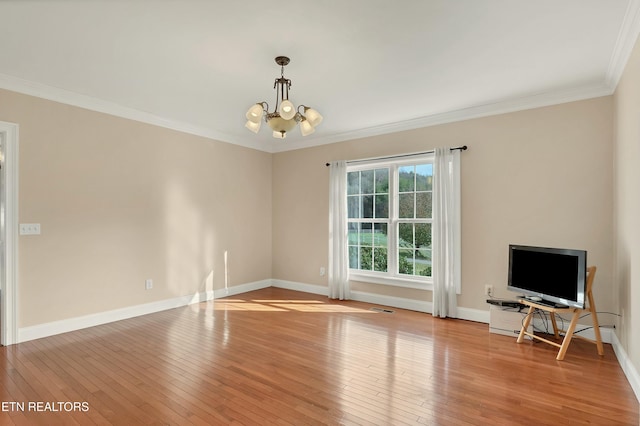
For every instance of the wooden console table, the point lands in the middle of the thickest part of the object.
(575, 315)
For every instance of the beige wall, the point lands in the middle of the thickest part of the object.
(120, 201)
(627, 206)
(539, 177)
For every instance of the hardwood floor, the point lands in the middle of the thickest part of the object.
(276, 356)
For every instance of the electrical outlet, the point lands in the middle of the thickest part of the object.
(148, 284)
(322, 271)
(488, 290)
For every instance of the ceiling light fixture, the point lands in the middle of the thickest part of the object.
(285, 116)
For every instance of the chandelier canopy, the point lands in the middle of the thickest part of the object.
(285, 116)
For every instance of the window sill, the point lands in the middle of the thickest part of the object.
(392, 281)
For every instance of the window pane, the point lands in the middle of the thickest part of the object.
(366, 182)
(382, 206)
(366, 254)
(405, 205)
(380, 234)
(353, 206)
(367, 206)
(405, 235)
(380, 259)
(424, 177)
(352, 233)
(423, 235)
(405, 262)
(405, 179)
(366, 234)
(382, 181)
(423, 263)
(353, 183)
(353, 257)
(424, 205)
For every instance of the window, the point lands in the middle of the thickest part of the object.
(389, 215)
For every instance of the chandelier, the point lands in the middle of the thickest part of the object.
(285, 116)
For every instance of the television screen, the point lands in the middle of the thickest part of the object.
(553, 274)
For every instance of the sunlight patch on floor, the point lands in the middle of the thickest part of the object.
(284, 306)
(242, 305)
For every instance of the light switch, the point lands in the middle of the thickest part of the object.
(29, 229)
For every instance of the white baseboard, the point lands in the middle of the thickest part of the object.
(63, 326)
(394, 302)
(242, 288)
(377, 299)
(71, 324)
(477, 315)
(627, 366)
(306, 288)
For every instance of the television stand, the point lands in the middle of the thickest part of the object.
(568, 333)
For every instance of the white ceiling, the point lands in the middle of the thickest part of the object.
(369, 66)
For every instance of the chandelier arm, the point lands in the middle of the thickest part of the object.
(276, 86)
(265, 107)
(282, 98)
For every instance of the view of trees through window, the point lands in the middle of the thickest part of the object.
(371, 216)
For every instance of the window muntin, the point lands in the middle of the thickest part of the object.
(390, 218)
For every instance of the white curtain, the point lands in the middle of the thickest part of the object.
(338, 271)
(446, 232)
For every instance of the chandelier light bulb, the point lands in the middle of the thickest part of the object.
(254, 114)
(254, 127)
(306, 128)
(287, 109)
(313, 116)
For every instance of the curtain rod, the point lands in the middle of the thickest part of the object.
(461, 148)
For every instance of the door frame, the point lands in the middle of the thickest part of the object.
(9, 278)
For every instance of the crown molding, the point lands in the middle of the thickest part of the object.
(68, 97)
(499, 107)
(275, 146)
(627, 37)
(478, 111)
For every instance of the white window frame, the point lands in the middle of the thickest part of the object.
(391, 277)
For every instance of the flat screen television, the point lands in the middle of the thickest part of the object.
(555, 275)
